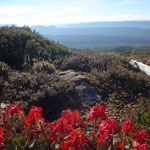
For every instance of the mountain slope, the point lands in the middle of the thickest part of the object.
(19, 47)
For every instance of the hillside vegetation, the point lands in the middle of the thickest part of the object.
(20, 47)
(29, 55)
(29, 75)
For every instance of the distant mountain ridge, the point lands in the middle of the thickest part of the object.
(111, 31)
(137, 24)
(106, 24)
(98, 34)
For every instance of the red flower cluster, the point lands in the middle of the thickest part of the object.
(138, 146)
(97, 112)
(66, 124)
(12, 110)
(1, 136)
(67, 133)
(34, 117)
(73, 118)
(140, 136)
(77, 139)
(106, 130)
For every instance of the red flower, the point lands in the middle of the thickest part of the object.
(51, 125)
(1, 136)
(128, 126)
(107, 128)
(110, 126)
(33, 131)
(139, 147)
(68, 144)
(97, 112)
(35, 109)
(1, 130)
(35, 115)
(67, 115)
(73, 118)
(83, 124)
(78, 139)
(4, 118)
(61, 127)
(101, 138)
(12, 110)
(141, 136)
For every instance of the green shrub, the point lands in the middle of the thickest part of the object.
(145, 122)
(87, 62)
(40, 89)
(4, 69)
(101, 62)
(43, 66)
(19, 46)
(121, 83)
(77, 62)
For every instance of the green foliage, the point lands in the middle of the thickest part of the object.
(12, 147)
(43, 66)
(120, 81)
(4, 69)
(143, 57)
(145, 122)
(19, 47)
(42, 89)
(86, 62)
(77, 62)
(101, 62)
(111, 74)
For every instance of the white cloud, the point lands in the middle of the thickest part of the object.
(124, 17)
(46, 14)
(60, 14)
(127, 2)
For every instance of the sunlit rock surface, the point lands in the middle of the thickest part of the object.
(84, 92)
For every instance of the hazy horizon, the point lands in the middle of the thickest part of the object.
(77, 23)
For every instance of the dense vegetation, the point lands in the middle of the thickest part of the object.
(26, 67)
(29, 75)
(36, 57)
(143, 57)
(20, 47)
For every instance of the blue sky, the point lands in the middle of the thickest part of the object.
(49, 12)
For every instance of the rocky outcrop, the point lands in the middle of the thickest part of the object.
(84, 92)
